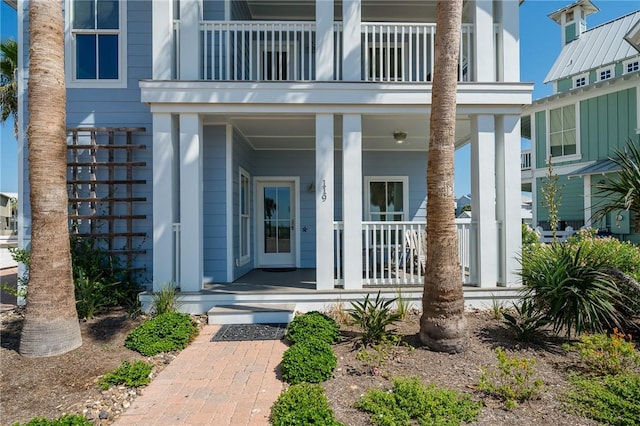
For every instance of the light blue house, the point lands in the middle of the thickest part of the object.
(266, 137)
(594, 110)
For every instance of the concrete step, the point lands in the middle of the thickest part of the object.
(257, 313)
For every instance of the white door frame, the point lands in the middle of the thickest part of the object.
(296, 206)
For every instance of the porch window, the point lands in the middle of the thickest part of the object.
(387, 198)
(95, 47)
(244, 217)
(562, 131)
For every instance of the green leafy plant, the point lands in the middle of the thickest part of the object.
(497, 308)
(313, 325)
(91, 295)
(525, 321)
(513, 380)
(130, 374)
(610, 400)
(572, 287)
(164, 333)
(310, 360)
(410, 399)
(529, 237)
(373, 317)
(301, 405)
(66, 420)
(602, 353)
(166, 300)
(402, 304)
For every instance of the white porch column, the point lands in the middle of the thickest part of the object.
(510, 51)
(508, 195)
(190, 15)
(191, 253)
(484, 49)
(586, 180)
(162, 43)
(163, 178)
(483, 199)
(352, 199)
(351, 40)
(324, 201)
(324, 40)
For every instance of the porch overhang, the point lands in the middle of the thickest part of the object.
(326, 97)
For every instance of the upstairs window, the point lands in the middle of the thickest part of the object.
(605, 73)
(631, 66)
(580, 81)
(95, 43)
(562, 131)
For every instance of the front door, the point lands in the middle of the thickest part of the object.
(276, 223)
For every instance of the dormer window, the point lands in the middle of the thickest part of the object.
(605, 73)
(580, 80)
(570, 16)
(631, 66)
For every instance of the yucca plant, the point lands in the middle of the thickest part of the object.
(525, 320)
(621, 191)
(571, 287)
(374, 317)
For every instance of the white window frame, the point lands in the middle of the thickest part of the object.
(70, 51)
(625, 65)
(405, 193)
(571, 157)
(579, 77)
(600, 71)
(244, 218)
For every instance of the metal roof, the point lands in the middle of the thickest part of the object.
(600, 167)
(599, 46)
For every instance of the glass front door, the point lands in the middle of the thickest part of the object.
(276, 224)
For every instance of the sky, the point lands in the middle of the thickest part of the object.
(539, 46)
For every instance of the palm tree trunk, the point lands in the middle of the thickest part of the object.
(51, 321)
(443, 324)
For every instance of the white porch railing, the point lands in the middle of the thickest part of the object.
(525, 160)
(176, 252)
(394, 253)
(285, 51)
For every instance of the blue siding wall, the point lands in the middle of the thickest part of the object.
(214, 204)
(213, 10)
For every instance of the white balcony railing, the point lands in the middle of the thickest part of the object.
(285, 51)
(525, 160)
(394, 253)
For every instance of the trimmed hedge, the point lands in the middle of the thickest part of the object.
(165, 333)
(310, 361)
(313, 325)
(301, 405)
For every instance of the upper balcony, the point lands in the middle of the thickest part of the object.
(286, 51)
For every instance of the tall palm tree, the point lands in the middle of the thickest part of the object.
(9, 82)
(443, 324)
(622, 190)
(51, 321)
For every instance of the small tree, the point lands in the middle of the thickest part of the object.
(551, 197)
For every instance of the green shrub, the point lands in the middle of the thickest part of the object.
(310, 361)
(611, 400)
(164, 333)
(513, 380)
(313, 325)
(132, 375)
(67, 420)
(166, 300)
(607, 353)
(301, 405)
(525, 321)
(409, 399)
(92, 294)
(571, 286)
(530, 238)
(374, 318)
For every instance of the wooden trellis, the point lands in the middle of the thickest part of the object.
(101, 181)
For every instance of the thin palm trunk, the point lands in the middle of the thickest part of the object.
(51, 322)
(443, 324)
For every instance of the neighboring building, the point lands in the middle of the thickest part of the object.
(7, 212)
(282, 135)
(462, 201)
(594, 111)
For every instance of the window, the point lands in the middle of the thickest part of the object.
(605, 73)
(95, 48)
(580, 81)
(387, 199)
(631, 66)
(562, 131)
(244, 217)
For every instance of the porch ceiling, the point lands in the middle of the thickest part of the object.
(298, 131)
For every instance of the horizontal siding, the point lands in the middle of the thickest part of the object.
(572, 201)
(213, 10)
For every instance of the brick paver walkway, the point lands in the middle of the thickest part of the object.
(212, 383)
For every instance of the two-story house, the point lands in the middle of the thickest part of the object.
(593, 111)
(247, 136)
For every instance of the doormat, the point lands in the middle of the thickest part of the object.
(249, 332)
(278, 269)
